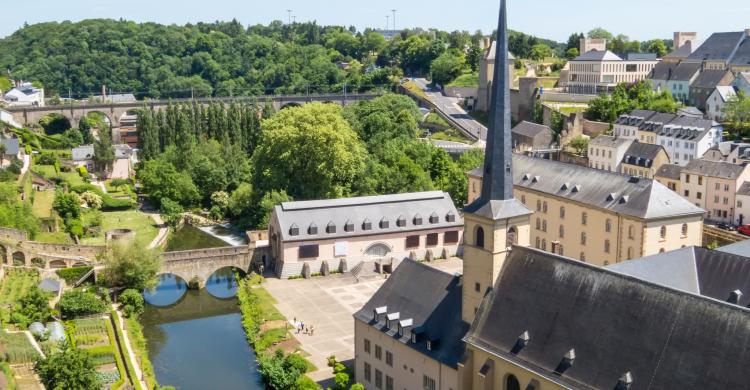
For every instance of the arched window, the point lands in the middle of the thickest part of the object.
(583, 238)
(663, 232)
(606, 246)
(684, 230)
(544, 226)
(377, 250)
(630, 253)
(538, 224)
(538, 205)
(562, 212)
(584, 218)
(511, 383)
(511, 237)
(538, 245)
(562, 231)
(608, 225)
(544, 244)
(479, 237)
(544, 207)
(631, 232)
(661, 250)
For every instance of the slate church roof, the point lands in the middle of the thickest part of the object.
(428, 302)
(616, 326)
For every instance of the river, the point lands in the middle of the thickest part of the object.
(195, 338)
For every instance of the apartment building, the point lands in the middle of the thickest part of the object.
(717, 100)
(530, 137)
(724, 51)
(705, 84)
(713, 186)
(669, 176)
(599, 72)
(643, 160)
(674, 78)
(743, 204)
(606, 152)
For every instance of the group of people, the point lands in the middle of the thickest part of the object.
(303, 328)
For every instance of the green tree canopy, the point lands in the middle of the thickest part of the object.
(448, 66)
(67, 368)
(130, 265)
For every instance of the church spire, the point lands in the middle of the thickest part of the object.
(497, 183)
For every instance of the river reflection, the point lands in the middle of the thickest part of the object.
(195, 338)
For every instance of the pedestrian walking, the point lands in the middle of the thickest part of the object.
(312, 330)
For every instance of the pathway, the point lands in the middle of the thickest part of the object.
(129, 349)
(327, 304)
(163, 231)
(449, 106)
(26, 164)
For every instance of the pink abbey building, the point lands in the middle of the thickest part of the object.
(338, 234)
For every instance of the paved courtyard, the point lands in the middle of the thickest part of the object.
(327, 304)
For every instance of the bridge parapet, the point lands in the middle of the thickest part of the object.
(169, 257)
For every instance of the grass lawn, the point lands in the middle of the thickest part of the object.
(467, 80)
(414, 88)
(143, 226)
(122, 191)
(451, 135)
(54, 238)
(42, 207)
(48, 171)
(436, 119)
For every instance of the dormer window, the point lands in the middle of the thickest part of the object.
(450, 217)
(401, 221)
(434, 218)
(312, 229)
(366, 224)
(417, 220)
(294, 230)
(384, 224)
(349, 227)
(331, 228)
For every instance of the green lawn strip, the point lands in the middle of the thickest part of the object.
(450, 135)
(435, 119)
(414, 89)
(128, 364)
(138, 342)
(466, 80)
(118, 356)
(42, 206)
(143, 226)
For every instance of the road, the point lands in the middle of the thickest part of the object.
(449, 106)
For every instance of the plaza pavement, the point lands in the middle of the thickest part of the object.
(327, 304)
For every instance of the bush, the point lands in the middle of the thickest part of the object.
(72, 275)
(81, 188)
(92, 200)
(76, 303)
(357, 386)
(113, 204)
(47, 158)
(342, 380)
(132, 302)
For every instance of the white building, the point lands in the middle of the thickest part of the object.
(717, 100)
(686, 138)
(598, 72)
(606, 152)
(25, 95)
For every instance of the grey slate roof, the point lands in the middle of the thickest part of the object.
(12, 146)
(663, 71)
(685, 71)
(701, 271)
(709, 79)
(665, 338)
(636, 197)
(683, 51)
(356, 211)
(493, 52)
(432, 300)
(669, 171)
(82, 153)
(642, 154)
(719, 46)
(744, 190)
(609, 141)
(529, 129)
(741, 248)
(720, 169)
(742, 55)
(598, 56)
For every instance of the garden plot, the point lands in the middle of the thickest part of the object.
(96, 336)
(14, 286)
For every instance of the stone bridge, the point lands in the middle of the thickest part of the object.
(198, 265)
(16, 250)
(115, 111)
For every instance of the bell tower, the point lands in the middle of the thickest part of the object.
(496, 220)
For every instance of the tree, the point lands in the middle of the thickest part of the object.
(67, 368)
(580, 144)
(171, 212)
(599, 33)
(311, 152)
(104, 154)
(447, 67)
(262, 215)
(161, 180)
(572, 53)
(130, 266)
(658, 47)
(341, 380)
(3, 149)
(574, 41)
(35, 305)
(78, 302)
(68, 205)
(92, 200)
(132, 302)
(540, 52)
(737, 114)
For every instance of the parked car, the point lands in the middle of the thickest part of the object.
(725, 226)
(744, 230)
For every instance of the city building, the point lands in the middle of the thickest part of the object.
(685, 138)
(408, 335)
(724, 51)
(554, 323)
(25, 94)
(640, 125)
(705, 84)
(530, 137)
(598, 216)
(128, 131)
(597, 72)
(643, 160)
(487, 75)
(592, 44)
(742, 82)
(713, 185)
(730, 151)
(716, 101)
(606, 152)
(743, 205)
(683, 43)
(122, 168)
(674, 78)
(338, 234)
(669, 176)
(12, 152)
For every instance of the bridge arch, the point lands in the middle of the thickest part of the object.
(378, 249)
(19, 259)
(97, 117)
(38, 262)
(54, 123)
(58, 264)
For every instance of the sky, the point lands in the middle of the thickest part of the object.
(552, 19)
